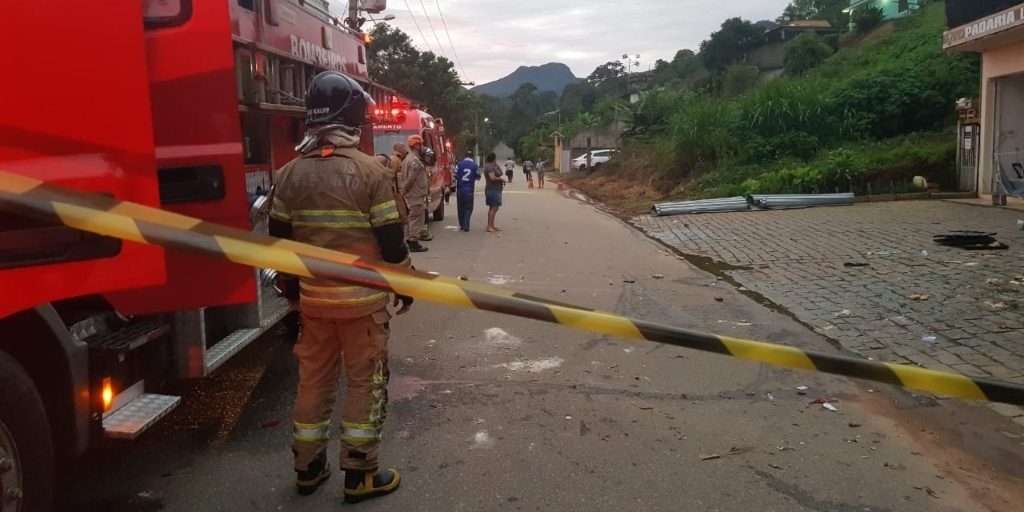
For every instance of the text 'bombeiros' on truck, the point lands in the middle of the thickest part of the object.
(189, 111)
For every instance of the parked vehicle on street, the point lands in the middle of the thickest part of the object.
(597, 157)
(185, 105)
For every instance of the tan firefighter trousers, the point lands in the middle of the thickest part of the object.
(323, 344)
(417, 219)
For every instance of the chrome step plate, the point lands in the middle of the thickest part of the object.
(138, 415)
(233, 343)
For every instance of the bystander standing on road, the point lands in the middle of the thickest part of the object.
(541, 169)
(528, 170)
(492, 190)
(467, 173)
(510, 167)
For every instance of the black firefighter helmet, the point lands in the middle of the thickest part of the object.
(334, 98)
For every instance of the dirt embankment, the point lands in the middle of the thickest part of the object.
(624, 194)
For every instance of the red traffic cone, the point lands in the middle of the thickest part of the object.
(560, 187)
(531, 183)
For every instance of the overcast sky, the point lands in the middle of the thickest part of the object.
(494, 37)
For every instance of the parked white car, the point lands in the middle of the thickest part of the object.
(597, 157)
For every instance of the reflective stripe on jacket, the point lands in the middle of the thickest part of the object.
(334, 198)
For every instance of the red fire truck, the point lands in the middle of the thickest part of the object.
(395, 120)
(186, 105)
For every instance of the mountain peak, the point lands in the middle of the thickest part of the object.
(553, 76)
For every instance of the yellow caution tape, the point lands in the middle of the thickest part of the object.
(130, 221)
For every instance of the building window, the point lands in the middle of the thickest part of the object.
(249, 5)
(903, 6)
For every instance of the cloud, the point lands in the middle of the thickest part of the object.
(494, 37)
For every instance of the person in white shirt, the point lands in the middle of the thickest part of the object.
(510, 167)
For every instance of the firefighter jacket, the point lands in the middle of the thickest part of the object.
(340, 199)
(415, 185)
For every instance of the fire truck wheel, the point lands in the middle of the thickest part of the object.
(439, 213)
(26, 449)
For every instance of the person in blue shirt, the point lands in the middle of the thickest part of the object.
(467, 173)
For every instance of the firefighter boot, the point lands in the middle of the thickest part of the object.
(315, 474)
(363, 485)
(415, 246)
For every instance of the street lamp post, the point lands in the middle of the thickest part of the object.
(476, 124)
(630, 62)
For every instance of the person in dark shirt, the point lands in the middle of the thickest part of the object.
(492, 190)
(467, 173)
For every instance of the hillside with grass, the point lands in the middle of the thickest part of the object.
(874, 114)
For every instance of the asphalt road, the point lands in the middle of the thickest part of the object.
(492, 412)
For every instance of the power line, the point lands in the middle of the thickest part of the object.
(438, 39)
(450, 42)
(413, 16)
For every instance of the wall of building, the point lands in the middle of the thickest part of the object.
(605, 137)
(769, 56)
(999, 62)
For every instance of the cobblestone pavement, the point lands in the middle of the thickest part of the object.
(795, 258)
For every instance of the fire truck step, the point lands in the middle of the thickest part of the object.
(138, 415)
(219, 353)
(129, 338)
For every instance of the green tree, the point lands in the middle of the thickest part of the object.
(806, 52)
(828, 10)
(609, 78)
(738, 79)
(422, 76)
(868, 18)
(730, 44)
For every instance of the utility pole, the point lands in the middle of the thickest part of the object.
(476, 130)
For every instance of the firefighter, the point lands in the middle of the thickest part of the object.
(336, 197)
(415, 188)
(403, 209)
(395, 166)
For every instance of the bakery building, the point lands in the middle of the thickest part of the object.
(992, 128)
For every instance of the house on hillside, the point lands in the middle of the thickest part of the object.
(770, 57)
(604, 137)
(991, 160)
(891, 9)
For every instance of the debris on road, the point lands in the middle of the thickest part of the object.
(710, 457)
(856, 264)
(801, 390)
(929, 491)
(774, 465)
(895, 467)
(629, 281)
(658, 276)
(830, 407)
(853, 425)
(970, 240)
(918, 298)
(463, 278)
(752, 203)
(643, 407)
(719, 299)
(929, 339)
